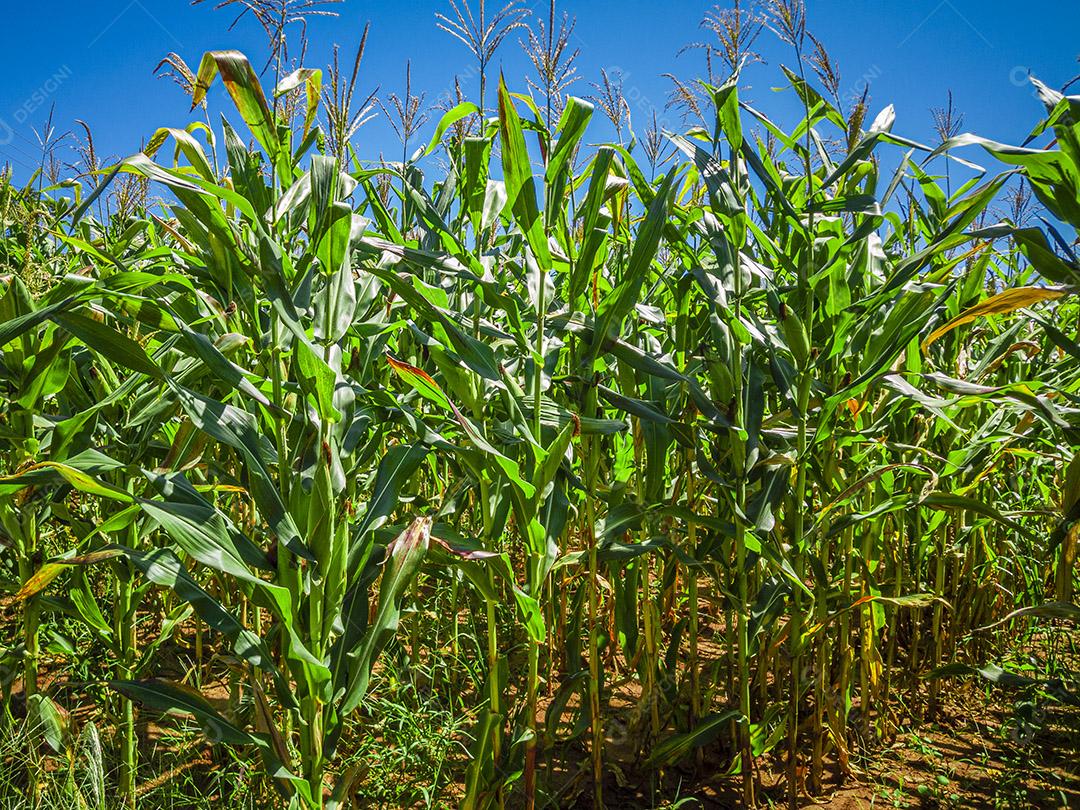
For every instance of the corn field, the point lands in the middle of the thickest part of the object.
(734, 451)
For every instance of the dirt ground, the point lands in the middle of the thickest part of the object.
(971, 756)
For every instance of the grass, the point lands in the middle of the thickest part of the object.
(411, 756)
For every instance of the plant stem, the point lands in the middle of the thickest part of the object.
(595, 719)
(124, 621)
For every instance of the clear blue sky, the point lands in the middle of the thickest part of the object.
(94, 60)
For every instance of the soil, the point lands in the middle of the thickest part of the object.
(968, 757)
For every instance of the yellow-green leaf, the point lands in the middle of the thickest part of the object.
(39, 581)
(1000, 304)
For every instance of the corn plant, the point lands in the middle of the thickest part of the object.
(730, 454)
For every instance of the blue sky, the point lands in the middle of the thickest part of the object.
(95, 61)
